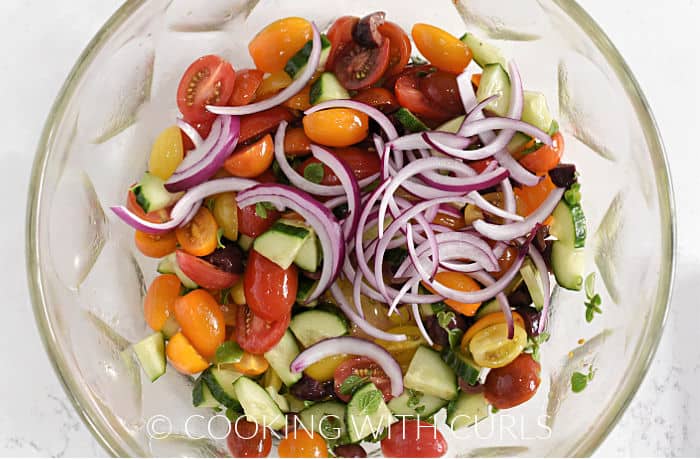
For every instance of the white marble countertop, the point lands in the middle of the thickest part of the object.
(41, 39)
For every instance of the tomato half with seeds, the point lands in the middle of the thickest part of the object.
(358, 67)
(204, 273)
(400, 47)
(207, 81)
(269, 290)
(364, 368)
(257, 335)
(340, 35)
(361, 162)
(410, 96)
(253, 225)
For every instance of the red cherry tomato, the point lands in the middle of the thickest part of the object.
(413, 438)
(420, 70)
(362, 163)
(251, 224)
(246, 84)
(545, 158)
(480, 165)
(248, 439)
(358, 67)
(410, 96)
(379, 98)
(203, 128)
(514, 383)
(204, 273)
(269, 290)
(441, 88)
(263, 122)
(257, 335)
(207, 81)
(400, 47)
(340, 35)
(363, 367)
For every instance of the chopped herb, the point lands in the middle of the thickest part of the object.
(185, 290)
(427, 72)
(329, 427)
(219, 235)
(444, 318)
(224, 295)
(534, 344)
(579, 381)
(352, 383)
(494, 410)
(414, 398)
(232, 413)
(454, 335)
(308, 403)
(228, 352)
(420, 409)
(417, 60)
(593, 299)
(553, 128)
(369, 402)
(261, 209)
(438, 307)
(314, 172)
(573, 195)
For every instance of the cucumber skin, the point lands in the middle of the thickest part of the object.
(568, 264)
(216, 390)
(465, 370)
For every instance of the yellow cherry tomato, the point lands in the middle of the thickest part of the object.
(336, 127)
(274, 45)
(225, 213)
(272, 84)
(167, 153)
(403, 351)
(324, 369)
(491, 347)
(443, 50)
(462, 283)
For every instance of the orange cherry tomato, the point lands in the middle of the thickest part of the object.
(207, 81)
(251, 364)
(442, 49)
(531, 197)
(201, 320)
(505, 261)
(159, 303)
(272, 84)
(263, 122)
(336, 127)
(300, 443)
(198, 237)
(274, 45)
(245, 86)
(251, 160)
(400, 47)
(462, 283)
(155, 245)
(301, 101)
(296, 142)
(183, 356)
(546, 157)
(488, 320)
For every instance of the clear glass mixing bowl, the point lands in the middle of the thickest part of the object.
(87, 280)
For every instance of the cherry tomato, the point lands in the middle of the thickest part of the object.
(336, 127)
(269, 290)
(157, 216)
(361, 162)
(411, 69)
(296, 142)
(251, 224)
(248, 439)
(198, 237)
(363, 367)
(272, 84)
(225, 213)
(267, 177)
(400, 47)
(441, 89)
(514, 383)
(155, 245)
(403, 351)
(300, 443)
(505, 261)
(183, 356)
(256, 335)
(487, 321)
(462, 283)
(274, 45)
(204, 273)
(166, 153)
(203, 128)
(530, 198)
(414, 438)
(340, 35)
(480, 165)
(545, 158)
(249, 161)
(263, 122)
(159, 303)
(245, 86)
(410, 96)
(207, 81)
(451, 221)
(324, 369)
(300, 101)
(201, 320)
(442, 49)
(379, 98)
(251, 364)
(491, 347)
(358, 67)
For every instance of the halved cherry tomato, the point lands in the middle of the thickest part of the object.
(155, 245)
(183, 356)
(400, 47)
(324, 369)
(340, 35)
(166, 153)
(362, 367)
(207, 81)
(248, 439)
(159, 303)
(300, 101)
(414, 438)
(358, 67)
(491, 347)
(251, 224)
(274, 45)
(203, 128)
(442, 49)
(480, 165)
(410, 96)
(225, 211)
(198, 237)
(157, 216)
(301, 443)
(251, 364)
(257, 335)
(514, 383)
(272, 84)
(545, 158)
(462, 283)
(246, 85)
(441, 89)
(488, 320)
(262, 122)
(201, 321)
(361, 162)
(505, 261)
(531, 197)
(379, 98)
(204, 273)
(336, 127)
(403, 351)
(251, 160)
(296, 142)
(451, 221)
(411, 69)
(269, 290)
(267, 177)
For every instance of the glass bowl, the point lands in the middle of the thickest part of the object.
(87, 280)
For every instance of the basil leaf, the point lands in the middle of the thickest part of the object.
(369, 402)
(579, 381)
(314, 172)
(352, 383)
(260, 210)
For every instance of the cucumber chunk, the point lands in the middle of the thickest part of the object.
(309, 256)
(150, 353)
(568, 264)
(569, 224)
(428, 373)
(281, 356)
(151, 194)
(281, 243)
(487, 308)
(536, 111)
(409, 121)
(304, 289)
(326, 88)
(220, 383)
(462, 365)
(467, 410)
(327, 419)
(367, 414)
(297, 63)
(414, 404)
(310, 327)
(495, 82)
(482, 52)
(202, 396)
(257, 404)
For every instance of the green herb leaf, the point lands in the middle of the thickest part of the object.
(590, 285)
(579, 381)
(224, 295)
(494, 410)
(314, 172)
(219, 235)
(233, 413)
(589, 315)
(417, 60)
(454, 337)
(414, 398)
(444, 318)
(573, 195)
(209, 204)
(437, 307)
(261, 209)
(228, 352)
(329, 427)
(352, 383)
(369, 402)
(553, 128)
(595, 301)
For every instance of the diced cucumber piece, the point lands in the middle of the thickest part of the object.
(220, 383)
(429, 374)
(487, 308)
(568, 264)
(462, 365)
(467, 410)
(281, 402)
(367, 414)
(245, 242)
(281, 356)
(309, 255)
(257, 404)
(326, 88)
(483, 53)
(531, 276)
(452, 125)
(295, 66)
(151, 194)
(332, 414)
(202, 396)
(304, 288)
(569, 224)
(168, 265)
(409, 121)
(495, 82)
(296, 405)
(281, 243)
(170, 327)
(536, 111)
(413, 403)
(150, 353)
(310, 327)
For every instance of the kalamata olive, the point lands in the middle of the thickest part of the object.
(563, 175)
(229, 259)
(468, 388)
(365, 32)
(309, 389)
(520, 297)
(350, 451)
(540, 239)
(531, 317)
(438, 334)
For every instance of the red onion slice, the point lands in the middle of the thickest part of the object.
(487, 280)
(541, 266)
(381, 119)
(218, 128)
(469, 155)
(462, 185)
(190, 132)
(418, 318)
(416, 141)
(481, 202)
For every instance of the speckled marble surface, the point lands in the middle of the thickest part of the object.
(39, 42)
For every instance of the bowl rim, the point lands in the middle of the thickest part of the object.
(639, 367)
